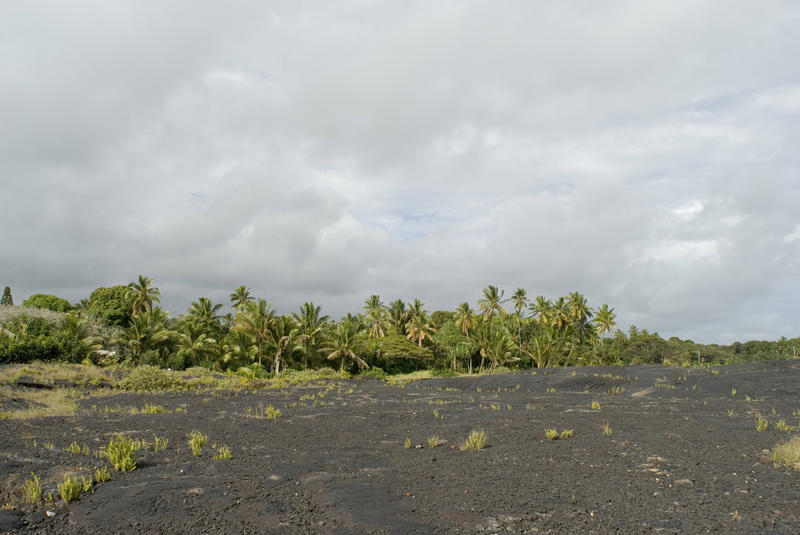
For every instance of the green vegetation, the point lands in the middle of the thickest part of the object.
(761, 423)
(224, 453)
(475, 441)
(32, 489)
(120, 452)
(787, 454)
(407, 443)
(160, 443)
(124, 324)
(433, 441)
(607, 429)
(551, 434)
(70, 489)
(101, 475)
(7, 300)
(596, 405)
(196, 442)
(566, 433)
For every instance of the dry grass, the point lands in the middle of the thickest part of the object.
(41, 403)
(787, 454)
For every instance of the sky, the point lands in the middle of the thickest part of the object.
(643, 153)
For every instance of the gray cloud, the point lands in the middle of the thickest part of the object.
(644, 154)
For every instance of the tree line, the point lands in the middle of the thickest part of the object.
(125, 324)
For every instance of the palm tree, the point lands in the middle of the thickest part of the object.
(559, 315)
(520, 301)
(491, 303)
(345, 343)
(195, 346)
(146, 331)
(465, 318)
(541, 309)
(256, 320)
(605, 320)
(398, 315)
(240, 297)
(237, 348)
(143, 295)
(83, 344)
(418, 327)
(578, 307)
(203, 313)
(375, 313)
(283, 332)
(309, 328)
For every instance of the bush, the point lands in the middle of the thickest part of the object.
(28, 349)
(50, 302)
(70, 489)
(374, 372)
(110, 305)
(120, 453)
(150, 378)
(475, 441)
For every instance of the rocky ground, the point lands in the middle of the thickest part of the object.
(683, 456)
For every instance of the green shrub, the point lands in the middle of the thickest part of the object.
(149, 379)
(28, 348)
(70, 489)
(224, 453)
(50, 302)
(551, 434)
(120, 452)
(374, 372)
(101, 475)
(33, 489)
(761, 423)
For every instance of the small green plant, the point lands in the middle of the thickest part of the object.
(101, 475)
(607, 429)
(433, 441)
(224, 453)
(196, 442)
(120, 453)
(551, 434)
(733, 391)
(596, 405)
(49, 445)
(407, 443)
(787, 454)
(566, 433)
(730, 413)
(160, 443)
(74, 448)
(33, 489)
(781, 425)
(615, 390)
(761, 423)
(86, 484)
(70, 489)
(437, 414)
(475, 441)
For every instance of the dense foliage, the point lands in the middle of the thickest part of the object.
(124, 324)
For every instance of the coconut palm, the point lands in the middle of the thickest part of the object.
(344, 343)
(520, 301)
(309, 329)
(491, 303)
(147, 331)
(418, 327)
(283, 333)
(465, 318)
(373, 306)
(195, 346)
(605, 320)
(204, 314)
(541, 309)
(397, 315)
(142, 295)
(240, 297)
(560, 316)
(256, 320)
(237, 348)
(578, 307)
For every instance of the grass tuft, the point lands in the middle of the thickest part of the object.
(596, 405)
(607, 429)
(196, 442)
(407, 443)
(70, 489)
(224, 453)
(475, 441)
(761, 423)
(120, 453)
(33, 489)
(433, 441)
(101, 475)
(787, 454)
(551, 434)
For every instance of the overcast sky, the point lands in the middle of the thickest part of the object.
(644, 153)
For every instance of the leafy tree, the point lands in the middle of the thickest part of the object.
(345, 343)
(142, 295)
(7, 300)
(418, 327)
(240, 297)
(310, 324)
(50, 302)
(399, 354)
(238, 349)
(256, 320)
(111, 305)
(455, 345)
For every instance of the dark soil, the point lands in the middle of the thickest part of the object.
(676, 462)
